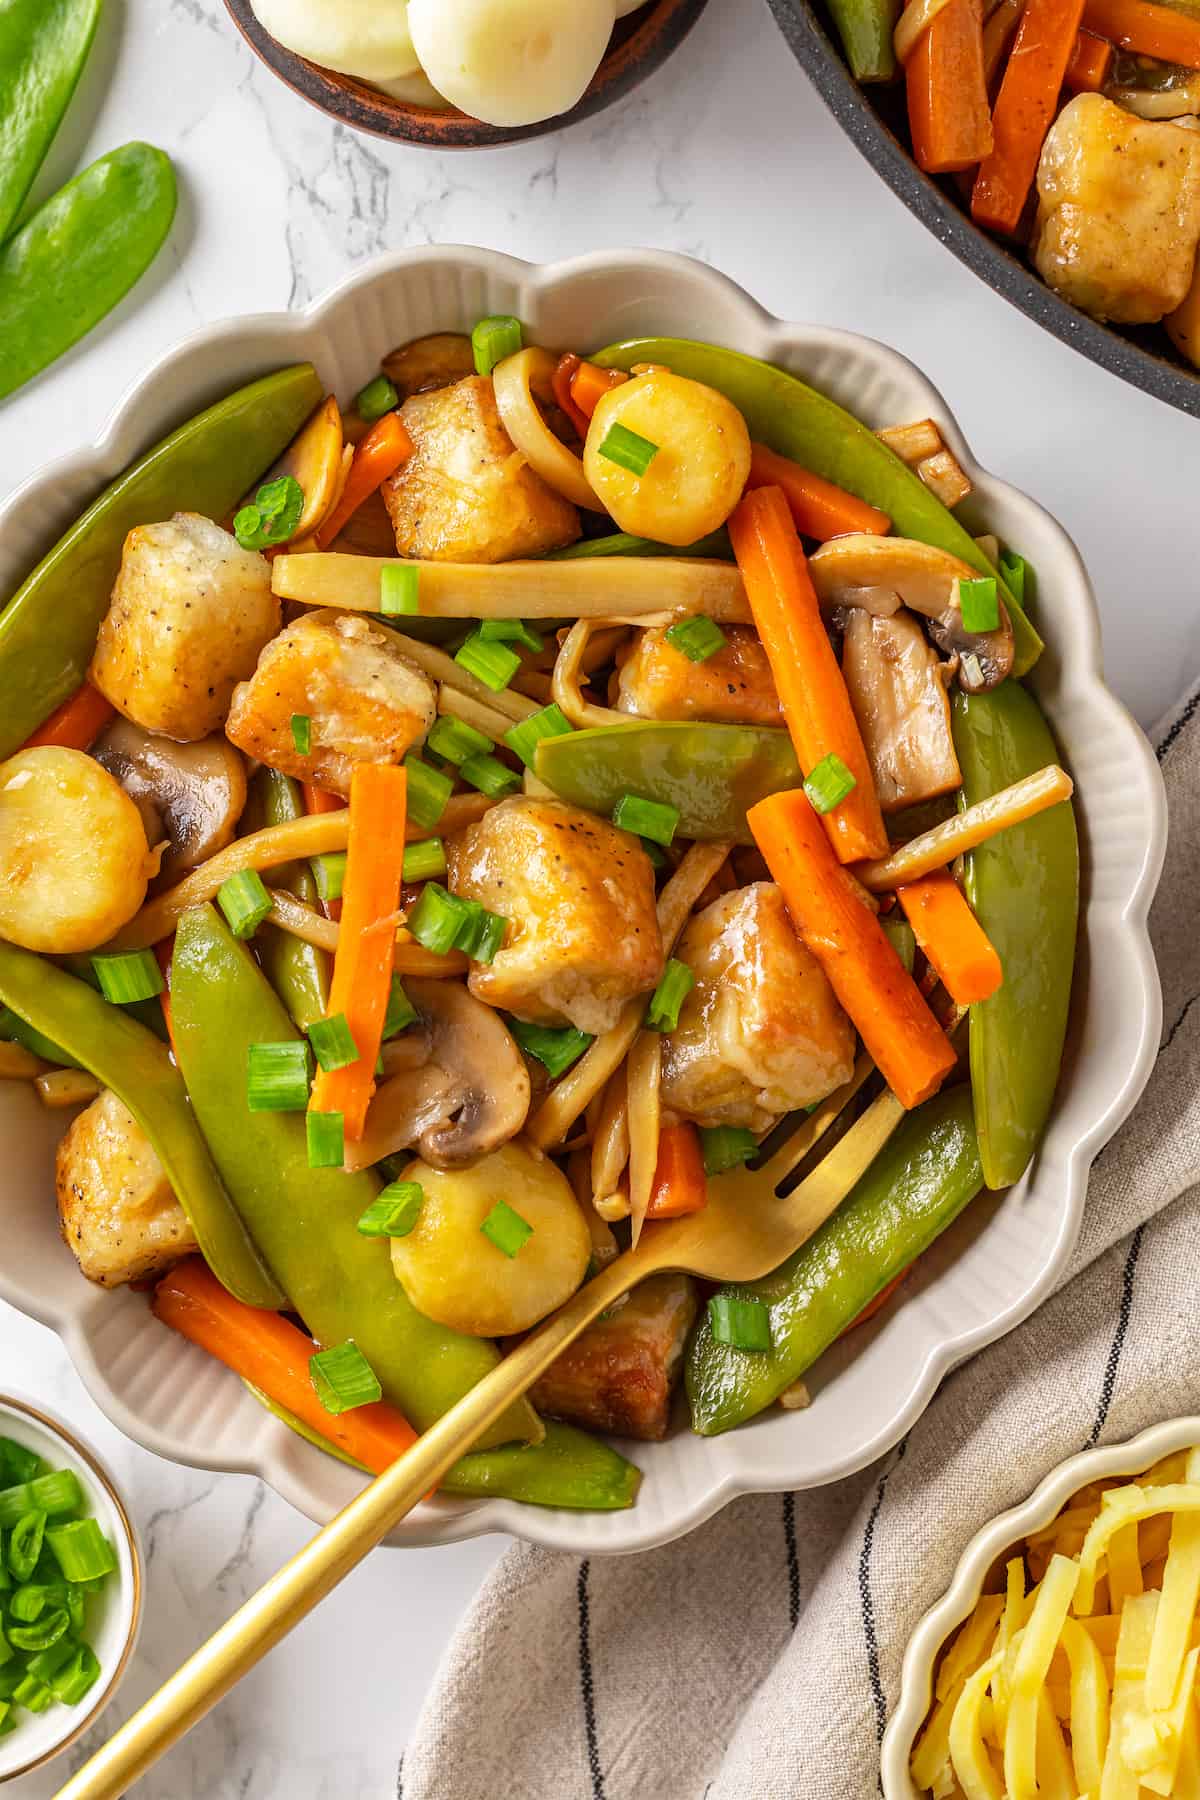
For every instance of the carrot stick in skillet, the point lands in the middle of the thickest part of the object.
(1025, 109)
(76, 724)
(1091, 60)
(1147, 29)
(948, 113)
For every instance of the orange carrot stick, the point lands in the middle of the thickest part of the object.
(881, 997)
(948, 113)
(951, 937)
(1024, 110)
(379, 455)
(811, 690)
(879, 1302)
(319, 800)
(680, 1184)
(1089, 65)
(273, 1354)
(589, 385)
(1147, 29)
(76, 724)
(821, 509)
(362, 965)
(564, 370)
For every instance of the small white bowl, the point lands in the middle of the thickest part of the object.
(115, 1614)
(1002, 1534)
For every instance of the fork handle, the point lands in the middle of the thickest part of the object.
(291, 1594)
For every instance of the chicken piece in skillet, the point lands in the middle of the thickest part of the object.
(190, 612)
(1118, 210)
(117, 1210)
(761, 1032)
(364, 700)
(578, 895)
(466, 494)
(734, 686)
(618, 1375)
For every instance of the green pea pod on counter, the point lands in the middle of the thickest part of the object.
(712, 773)
(797, 421)
(298, 972)
(1024, 887)
(43, 47)
(130, 1060)
(715, 547)
(48, 629)
(915, 1188)
(568, 1468)
(305, 1221)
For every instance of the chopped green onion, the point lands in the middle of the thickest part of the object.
(74, 1679)
(1014, 570)
(81, 1550)
(557, 1049)
(76, 1595)
(128, 975)
(658, 856)
(457, 741)
(653, 819)
(628, 449)
(394, 1212)
(16, 1462)
(493, 664)
(400, 1010)
(494, 338)
(489, 775)
(33, 1694)
(49, 1628)
(725, 1147)
(829, 783)
(901, 936)
(329, 873)
(333, 1042)
(424, 861)
(302, 734)
(437, 918)
(377, 398)
(277, 1076)
(676, 984)
(326, 1132)
(273, 515)
(524, 738)
(399, 590)
(486, 938)
(506, 1228)
(49, 1661)
(697, 638)
(25, 1542)
(244, 900)
(343, 1378)
(29, 1602)
(52, 1494)
(980, 604)
(428, 791)
(743, 1324)
(511, 631)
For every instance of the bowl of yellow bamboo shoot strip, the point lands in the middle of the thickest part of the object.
(1063, 1659)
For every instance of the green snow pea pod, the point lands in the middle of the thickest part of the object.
(131, 1061)
(48, 628)
(865, 28)
(43, 47)
(298, 972)
(16, 1030)
(712, 773)
(79, 254)
(796, 421)
(568, 1468)
(1024, 886)
(918, 1184)
(305, 1221)
(621, 543)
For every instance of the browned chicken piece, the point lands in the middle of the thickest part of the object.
(466, 494)
(761, 1032)
(1118, 210)
(578, 895)
(734, 686)
(116, 1207)
(366, 703)
(190, 612)
(619, 1374)
(894, 677)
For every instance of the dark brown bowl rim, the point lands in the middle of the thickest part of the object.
(1116, 350)
(636, 53)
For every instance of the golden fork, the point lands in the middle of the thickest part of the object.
(745, 1231)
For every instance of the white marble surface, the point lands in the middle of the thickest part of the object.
(725, 154)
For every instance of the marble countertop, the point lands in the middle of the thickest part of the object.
(725, 154)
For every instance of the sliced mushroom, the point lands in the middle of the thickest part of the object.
(456, 1087)
(860, 570)
(429, 362)
(898, 693)
(314, 459)
(191, 795)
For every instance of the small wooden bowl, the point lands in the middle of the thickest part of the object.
(641, 42)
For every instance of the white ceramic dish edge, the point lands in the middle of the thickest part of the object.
(592, 299)
(1008, 1528)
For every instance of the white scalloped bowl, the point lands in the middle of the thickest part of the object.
(1000, 1259)
(1002, 1534)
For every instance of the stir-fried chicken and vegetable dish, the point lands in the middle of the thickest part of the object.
(443, 833)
